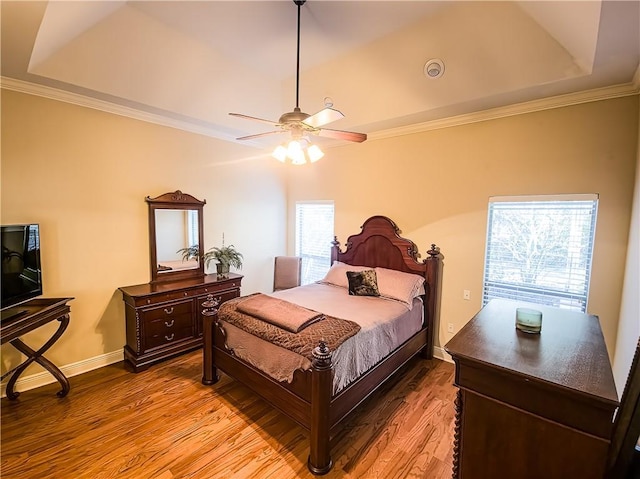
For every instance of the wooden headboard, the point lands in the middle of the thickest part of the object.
(379, 244)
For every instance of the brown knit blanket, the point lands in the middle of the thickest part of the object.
(284, 314)
(333, 331)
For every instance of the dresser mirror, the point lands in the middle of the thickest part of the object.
(175, 236)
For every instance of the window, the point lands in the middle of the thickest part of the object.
(314, 234)
(192, 227)
(539, 249)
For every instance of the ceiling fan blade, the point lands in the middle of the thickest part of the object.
(240, 115)
(258, 135)
(343, 135)
(324, 116)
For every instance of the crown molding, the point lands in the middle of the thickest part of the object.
(559, 101)
(51, 93)
(606, 93)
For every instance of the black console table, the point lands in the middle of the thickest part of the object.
(26, 317)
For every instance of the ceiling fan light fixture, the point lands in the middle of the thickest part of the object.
(298, 151)
(280, 153)
(315, 153)
(294, 150)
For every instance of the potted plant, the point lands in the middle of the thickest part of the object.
(189, 253)
(225, 256)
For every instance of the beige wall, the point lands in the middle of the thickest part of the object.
(83, 175)
(435, 185)
(629, 324)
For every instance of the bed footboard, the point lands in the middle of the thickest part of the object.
(319, 421)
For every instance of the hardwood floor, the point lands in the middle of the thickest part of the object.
(164, 424)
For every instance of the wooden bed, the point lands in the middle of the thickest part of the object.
(309, 398)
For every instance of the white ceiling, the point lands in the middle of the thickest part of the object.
(192, 63)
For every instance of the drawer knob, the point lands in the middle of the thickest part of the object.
(168, 310)
(168, 324)
(169, 338)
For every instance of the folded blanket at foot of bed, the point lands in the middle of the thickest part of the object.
(333, 331)
(283, 314)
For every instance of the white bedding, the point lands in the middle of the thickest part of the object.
(385, 323)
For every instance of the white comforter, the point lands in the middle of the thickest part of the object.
(385, 323)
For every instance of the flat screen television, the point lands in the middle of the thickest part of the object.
(21, 270)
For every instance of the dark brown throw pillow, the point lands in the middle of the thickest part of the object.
(363, 283)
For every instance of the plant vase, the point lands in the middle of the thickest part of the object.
(222, 270)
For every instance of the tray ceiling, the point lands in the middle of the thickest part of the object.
(194, 62)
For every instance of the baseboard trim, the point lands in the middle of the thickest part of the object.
(43, 378)
(440, 353)
(25, 383)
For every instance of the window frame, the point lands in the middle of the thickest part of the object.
(573, 294)
(313, 268)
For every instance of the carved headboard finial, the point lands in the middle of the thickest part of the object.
(434, 251)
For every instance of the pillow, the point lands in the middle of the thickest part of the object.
(363, 283)
(400, 286)
(337, 274)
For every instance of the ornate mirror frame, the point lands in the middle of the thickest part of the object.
(178, 201)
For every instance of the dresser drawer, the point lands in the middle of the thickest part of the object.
(217, 289)
(169, 311)
(163, 298)
(219, 297)
(159, 332)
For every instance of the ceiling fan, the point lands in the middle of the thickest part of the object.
(301, 124)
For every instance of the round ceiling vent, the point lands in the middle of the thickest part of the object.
(434, 68)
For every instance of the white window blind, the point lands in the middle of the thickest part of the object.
(539, 249)
(314, 233)
(192, 227)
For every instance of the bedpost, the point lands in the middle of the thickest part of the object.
(432, 306)
(320, 462)
(335, 249)
(209, 320)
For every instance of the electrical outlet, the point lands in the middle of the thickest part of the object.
(450, 328)
(466, 295)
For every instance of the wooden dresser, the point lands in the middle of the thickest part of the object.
(164, 319)
(532, 406)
